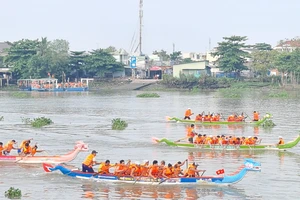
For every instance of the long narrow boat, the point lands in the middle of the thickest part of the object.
(230, 147)
(80, 146)
(248, 165)
(253, 123)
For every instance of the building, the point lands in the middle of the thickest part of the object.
(288, 45)
(193, 56)
(196, 69)
(121, 56)
(5, 74)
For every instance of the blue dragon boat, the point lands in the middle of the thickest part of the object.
(229, 179)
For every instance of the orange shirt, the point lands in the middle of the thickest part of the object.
(169, 172)
(255, 116)
(1, 149)
(89, 160)
(198, 118)
(190, 133)
(188, 113)
(155, 170)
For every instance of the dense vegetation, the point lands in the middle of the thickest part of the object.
(13, 193)
(118, 124)
(41, 58)
(37, 122)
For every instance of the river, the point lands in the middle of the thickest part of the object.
(87, 117)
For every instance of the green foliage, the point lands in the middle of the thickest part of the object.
(262, 47)
(268, 123)
(231, 57)
(263, 61)
(13, 193)
(1, 118)
(186, 60)
(148, 95)
(99, 62)
(283, 94)
(37, 122)
(162, 55)
(176, 56)
(118, 124)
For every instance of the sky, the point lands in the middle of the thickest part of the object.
(189, 24)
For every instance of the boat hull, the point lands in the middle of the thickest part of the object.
(253, 123)
(249, 165)
(230, 147)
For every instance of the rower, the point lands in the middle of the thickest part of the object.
(281, 141)
(22, 145)
(87, 165)
(104, 167)
(191, 133)
(188, 114)
(153, 172)
(1, 148)
(27, 149)
(255, 116)
(8, 147)
(121, 168)
(168, 171)
(136, 169)
(145, 168)
(177, 168)
(192, 170)
(198, 118)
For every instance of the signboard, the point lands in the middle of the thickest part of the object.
(133, 62)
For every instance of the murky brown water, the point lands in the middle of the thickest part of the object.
(87, 117)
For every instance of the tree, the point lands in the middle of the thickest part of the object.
(162, 55)
(230, 53)
(100, 62)
(111, 49)
(19, 55)
(262, 47)
(77, 62)
(187, 60)
(263, 61)
(176, 57)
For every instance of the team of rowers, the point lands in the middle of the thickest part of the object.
(24, 149)
(196, 138)
(216, 117)
(137, 169)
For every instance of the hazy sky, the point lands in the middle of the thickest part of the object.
(90, 24)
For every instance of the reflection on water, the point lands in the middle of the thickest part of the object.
(127, 191)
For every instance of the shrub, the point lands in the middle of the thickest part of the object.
(13, 193)
(118, 124)
(148, 95)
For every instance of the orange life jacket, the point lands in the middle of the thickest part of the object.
(198, 118)
(169, 172)
(188, 113)
(89, 160)
(1, 149)
(281, 141)
(256, 116)
(27, 150)
(9, 146)
(155, 170)
(103, 168)
(144, 170)
(33, 151)
(198, 140)
(231, 118)
(191, 171)
(190, 133)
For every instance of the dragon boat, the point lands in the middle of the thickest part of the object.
(253, 123)
(248, 165)
(282, 147)
(80, 146)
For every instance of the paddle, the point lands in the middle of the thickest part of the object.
(203, 172)
(180, 139)
(163, 180)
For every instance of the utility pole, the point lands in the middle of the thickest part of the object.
(173, 47)
(141, 24)
(209, 44)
